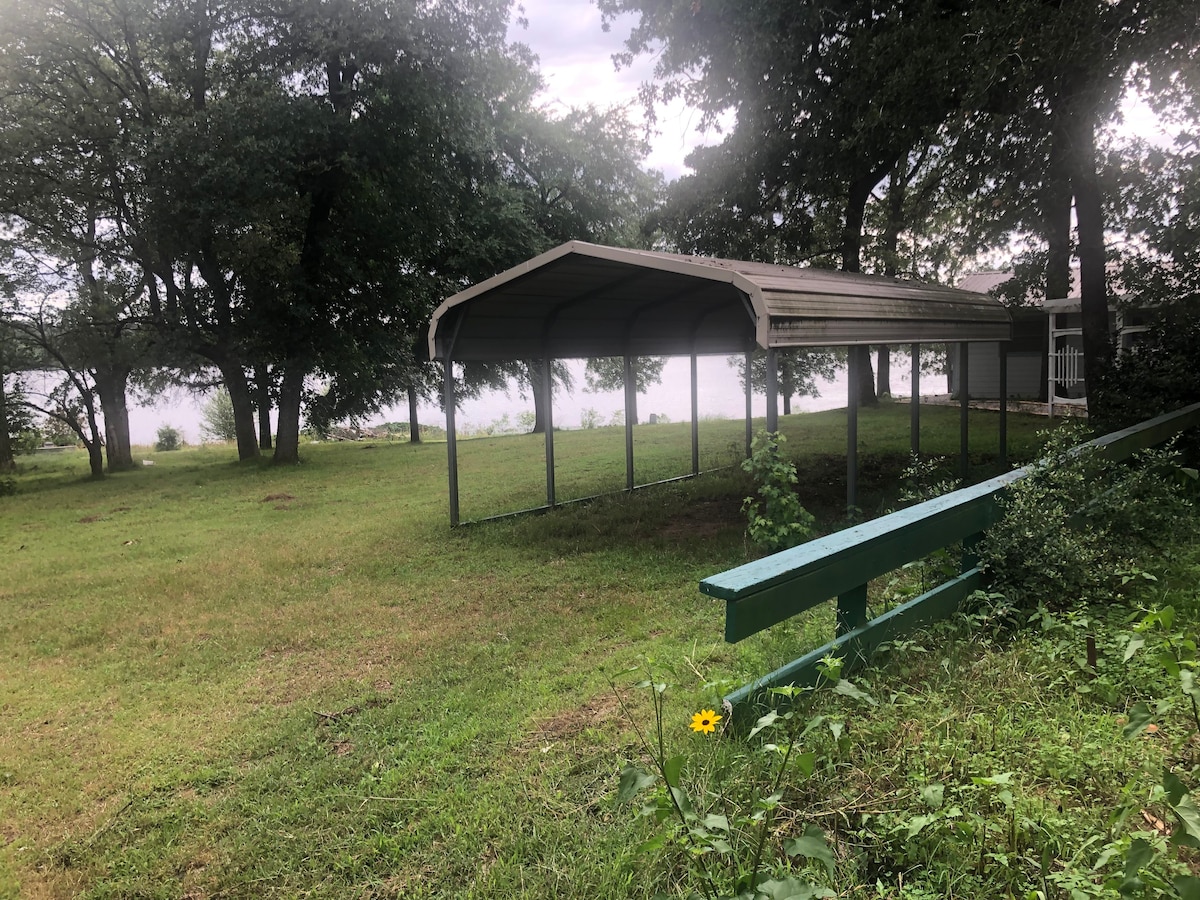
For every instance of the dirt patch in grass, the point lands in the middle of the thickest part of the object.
(277, 498)
(88, 520)
(704, 519)
(573, 722)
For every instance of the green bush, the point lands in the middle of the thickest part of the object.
(1077, 521)
(776, 519)
(168, 439)
(1159, 374)
(219, 423)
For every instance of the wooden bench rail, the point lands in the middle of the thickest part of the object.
(767, 591)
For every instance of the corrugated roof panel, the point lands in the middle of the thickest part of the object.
(587, 300)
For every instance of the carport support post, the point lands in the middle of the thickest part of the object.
(772, 390)
(914, 412)
(964, 407)
(851, 436)
(1004, 403)
(630, 389)
(695, 421)
(749, 401)
(548, 402)
(451, 440)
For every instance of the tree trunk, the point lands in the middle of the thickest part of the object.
(859, 358)
(92, 441)
(883, 374)
(414, 427)
(287, 435)
(95, 457)
(1055, 198)
(243, 410)
(110, 385)
(537, 383)
(8, 461)
(787, 384)
(1093, 293)
(262, 390)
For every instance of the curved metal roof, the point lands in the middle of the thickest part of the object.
(585, 300)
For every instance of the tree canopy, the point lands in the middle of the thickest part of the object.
(289, 190)
(986, 115)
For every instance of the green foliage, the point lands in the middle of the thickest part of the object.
(1077, 520)
(589, 418)
(798, 370)
(55, 431)
(22, 433)
(420, 709)
(168, 438)
(714, 804)
(608, 373)
(777, 520)
(217, 413)
(1159, 374)
(925, 478)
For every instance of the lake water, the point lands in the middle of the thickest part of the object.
(720, 395)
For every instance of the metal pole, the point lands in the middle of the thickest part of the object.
(964, 406)
(548, 401)
(451, 440)
(749, 399)
(627, 378)
(1003, 345)
(695, 421)
(851, 435)
(914, 426)
(772, 390)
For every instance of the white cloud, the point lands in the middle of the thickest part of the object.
(576, 60)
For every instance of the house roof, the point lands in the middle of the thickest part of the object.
(586, 300)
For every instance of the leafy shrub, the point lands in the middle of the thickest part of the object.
(1159, 374)
(8, 486)
(776, 518)
(59, 433)
(1077, 520)
(219, 424)
(168, 439)
(926, 478)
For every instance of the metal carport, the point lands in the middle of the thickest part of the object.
(583, 300)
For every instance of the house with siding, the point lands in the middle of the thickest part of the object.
(1045, 356)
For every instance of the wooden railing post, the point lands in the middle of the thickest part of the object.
(851, 609)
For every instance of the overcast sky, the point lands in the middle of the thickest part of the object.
(575, 56)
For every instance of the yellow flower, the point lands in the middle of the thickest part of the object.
(706, 720)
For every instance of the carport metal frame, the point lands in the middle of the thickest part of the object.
(583, 300)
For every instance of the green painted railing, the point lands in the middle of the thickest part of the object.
(767, 591)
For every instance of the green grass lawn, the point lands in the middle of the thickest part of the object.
(224, 680)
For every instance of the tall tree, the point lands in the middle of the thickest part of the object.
(797, 374)
(608, 374)
(828, 100)
(278, 173)
(574, 177)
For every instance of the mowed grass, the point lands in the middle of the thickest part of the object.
(242, 681)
